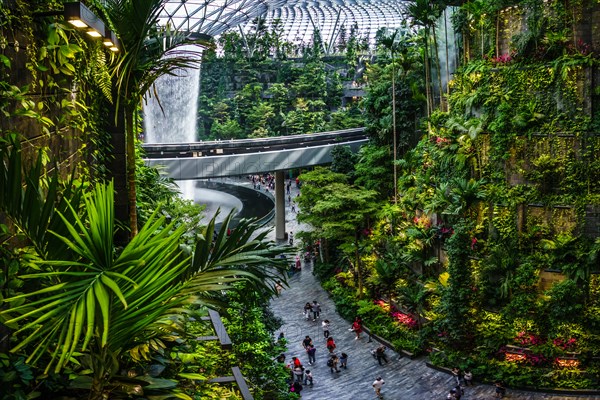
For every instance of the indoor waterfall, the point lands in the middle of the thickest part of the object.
(172, 117)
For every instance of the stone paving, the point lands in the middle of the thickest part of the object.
(405, 379)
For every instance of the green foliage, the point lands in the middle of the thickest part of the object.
(103, 301)
(374, 169)
(251, 326)
(35, 208)
(342, 161)
(17, 378)
(378, 99)
(325, 195)
(345, 300)
(457, 299)
(273, 96)
(564, 303)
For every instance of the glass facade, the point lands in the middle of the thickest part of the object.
(298, 18)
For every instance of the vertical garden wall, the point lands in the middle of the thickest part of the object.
(489, 258)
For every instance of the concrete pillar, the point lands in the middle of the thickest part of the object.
(279, 206)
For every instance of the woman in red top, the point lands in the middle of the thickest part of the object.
(357, 327)
(330, 344)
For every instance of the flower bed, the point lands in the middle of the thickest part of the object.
(382, 319)
(398, 316)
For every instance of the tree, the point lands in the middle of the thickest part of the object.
(389, 43)
(142, 61)
(343, 161)
(372, 170)
(105, 301)
(424, 13)
(336, 210)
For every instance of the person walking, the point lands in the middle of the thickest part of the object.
(296, 388)
(344, 361)
(377, 385)
(298, 374)
(457, 374)
(307, 309)
(451, 395)
(316, 310)
(500, 390)
(278, 287)
(308, 377)
(311, 352)
(325, 325)
(306, 342)
(296, 362)
(333, 363)
(357, 327)
(330, 344)
(468, 377)
(380, 354)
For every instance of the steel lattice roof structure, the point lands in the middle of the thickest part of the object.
(298, 17)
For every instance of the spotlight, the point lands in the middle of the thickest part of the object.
(78, 15)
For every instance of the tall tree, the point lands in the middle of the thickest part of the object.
(389, 43)
(424, 13)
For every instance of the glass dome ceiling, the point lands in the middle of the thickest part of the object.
(298, 18)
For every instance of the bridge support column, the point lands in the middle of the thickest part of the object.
(279, 206)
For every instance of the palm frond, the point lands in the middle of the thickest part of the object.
(32, 200)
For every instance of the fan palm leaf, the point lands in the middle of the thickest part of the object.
(32, 199)
(243, 254)
(100, 296)
(106, 301)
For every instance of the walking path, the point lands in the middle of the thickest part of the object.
(405, 379)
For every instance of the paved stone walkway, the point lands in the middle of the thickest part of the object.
(405, 379)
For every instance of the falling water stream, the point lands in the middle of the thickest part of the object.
(170, 117)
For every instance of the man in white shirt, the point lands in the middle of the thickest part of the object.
(377, 386)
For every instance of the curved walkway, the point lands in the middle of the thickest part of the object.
(405, 379)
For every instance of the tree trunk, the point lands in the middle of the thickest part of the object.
(394, 127)
(427, 75)
(357, 266)
(497, 34)
(447, 63)
(131, 189)
(438, 67)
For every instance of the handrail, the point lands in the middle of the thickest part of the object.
(225, 342)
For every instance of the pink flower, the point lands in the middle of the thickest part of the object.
(473, 243)
(405, 319)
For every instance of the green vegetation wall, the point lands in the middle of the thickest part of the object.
(55, 88)
(492, 251)
(507, 181)
(250, 88)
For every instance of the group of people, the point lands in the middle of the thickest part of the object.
(461, 380)
(312, 310)
(335, 361)
(299, 375)
(266, 180)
